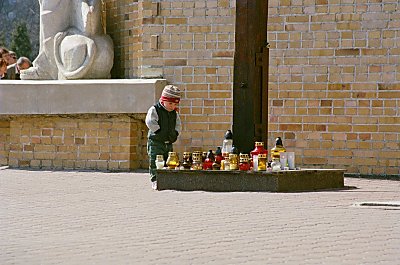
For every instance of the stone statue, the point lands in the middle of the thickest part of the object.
(72, 42)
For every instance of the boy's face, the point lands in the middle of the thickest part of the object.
(170, 106)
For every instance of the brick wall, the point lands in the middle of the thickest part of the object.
(4, 141)
(335, 82)
(91, 141)
(334, 73)
(195, 50)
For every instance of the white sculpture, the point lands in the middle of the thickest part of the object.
(72, 42)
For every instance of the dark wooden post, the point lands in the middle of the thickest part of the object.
(250, 86)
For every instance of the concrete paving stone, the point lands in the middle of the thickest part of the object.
(67, 217)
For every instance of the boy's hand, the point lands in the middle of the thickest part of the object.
(173, 137)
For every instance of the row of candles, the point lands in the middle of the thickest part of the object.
(228, 159)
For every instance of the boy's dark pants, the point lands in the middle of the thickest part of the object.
(155, 148)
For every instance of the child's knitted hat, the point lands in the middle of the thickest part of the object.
(171, 93)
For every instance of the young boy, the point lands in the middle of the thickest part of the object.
(164, 125)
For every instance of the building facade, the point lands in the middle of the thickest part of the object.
(334, 77)
(334, 74)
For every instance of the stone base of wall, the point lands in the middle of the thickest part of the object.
(112, 142)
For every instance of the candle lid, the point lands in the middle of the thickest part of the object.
(259, 143)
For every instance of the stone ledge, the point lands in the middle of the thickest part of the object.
(373, 176)
(79, 96)
(223, 181)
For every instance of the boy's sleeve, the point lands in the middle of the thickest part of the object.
(178, 124)
(152, 120)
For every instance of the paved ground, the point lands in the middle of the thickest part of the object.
(115, 218)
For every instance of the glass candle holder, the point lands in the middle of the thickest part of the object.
(283, 159)
(262, 162)
(208, 162)
(216, 166)
(228, 142)
(276, 165)
(187, 160)
(259, 149)
(277, 149)
(172, 161)
(233, 162)
(203, 156)
(225, 162)
(218, 155)
(159, 161)
(244, 164)
(197, 161)
(197, 165)
(291, 160)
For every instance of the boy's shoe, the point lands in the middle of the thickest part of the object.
(154, 185)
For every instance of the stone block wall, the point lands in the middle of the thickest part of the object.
(335, 82)
(86, 141)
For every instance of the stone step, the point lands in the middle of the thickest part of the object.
(224, 181)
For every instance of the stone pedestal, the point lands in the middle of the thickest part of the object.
(77, 124)
(79, 96)
(223, 181)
